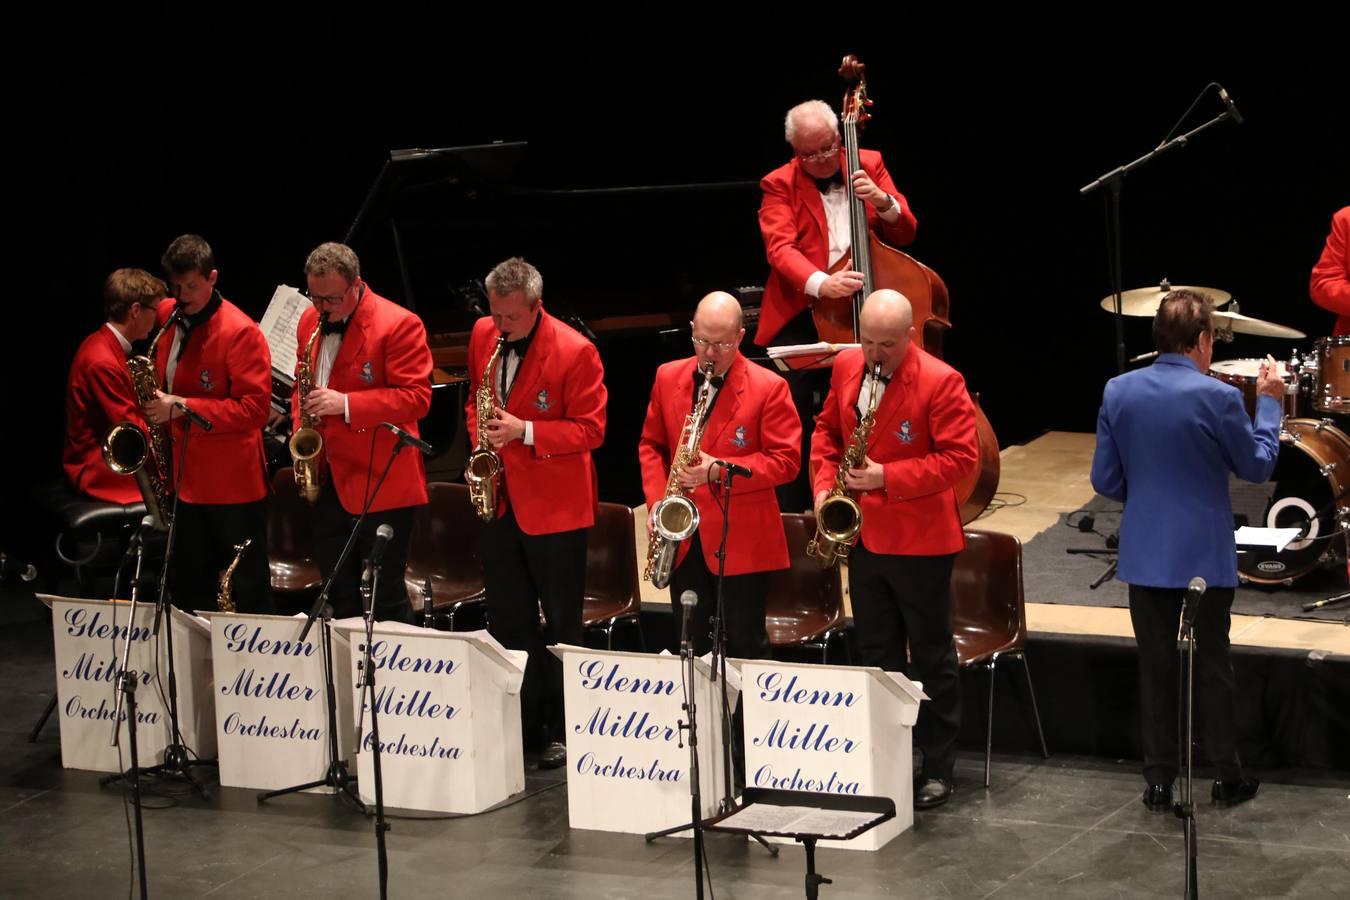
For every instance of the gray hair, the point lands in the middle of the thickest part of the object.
(515, 274)
(813, 109)
(334, 257)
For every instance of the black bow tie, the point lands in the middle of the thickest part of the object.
(328, 326)
(715, 380)
(884, 379)
(824, 184)
(518, 347)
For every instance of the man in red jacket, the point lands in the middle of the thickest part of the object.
(1330, 282)
(99, 393)
(750, 423)
(922, 443)
(549, 416)
(371, 365)
(804, 220)
(216, 363)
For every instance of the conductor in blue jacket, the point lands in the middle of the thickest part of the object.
(1167, 438)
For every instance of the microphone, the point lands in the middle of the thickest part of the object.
(576, 322)
(1228, 102)
(137, 536)
(383, 535)
(10, 566)
(195, 417)
(733, 468)
(688, 600)
(1194, 591)
(409, 439)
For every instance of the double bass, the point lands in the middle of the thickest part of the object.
(883, 266)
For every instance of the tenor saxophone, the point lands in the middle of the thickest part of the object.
(225, 598)
(484, 466)
(307, 443)
(129, 450)
(839, 521)
(675, 517)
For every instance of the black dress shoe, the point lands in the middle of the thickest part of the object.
(553, 756)
(1158, 797)
(1231, 793)
(933, 792)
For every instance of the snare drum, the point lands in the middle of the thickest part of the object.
(1331, 382)
(1242, 374)
(1312, 470)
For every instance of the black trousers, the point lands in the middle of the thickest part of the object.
(330, 526)
(1156, 614)
(742, 598)
(901, 601)
(808, 389)
(205, 535)
(522, 574)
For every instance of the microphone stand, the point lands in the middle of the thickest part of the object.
(1185, 809)
(176, 760)
(369, 581)
(337, 777)
(1114, 180)
(126, 681)
(691, 725)
(719, 664)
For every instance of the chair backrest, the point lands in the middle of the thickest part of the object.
(611, 563)
(988, 607)
(445, 544)
(804, 600)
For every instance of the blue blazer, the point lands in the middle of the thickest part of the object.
(1167, 437)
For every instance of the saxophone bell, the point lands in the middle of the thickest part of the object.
(126, 450)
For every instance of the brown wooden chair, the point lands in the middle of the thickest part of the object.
(804, 606)
(294, 569)
(612, 596)
(989, 617)
(446, 547)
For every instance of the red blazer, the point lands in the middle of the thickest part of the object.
(225, 374)
(1330, 283)
(924, 437)
(98, 396)
(560, 388)
(384, 367)
(753, 423)
(797, 239)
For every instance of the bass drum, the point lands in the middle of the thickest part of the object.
(1313, 468)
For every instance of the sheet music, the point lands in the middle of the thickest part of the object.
(278, 327)
(766, 817)
(820, 348)
(1278, 538)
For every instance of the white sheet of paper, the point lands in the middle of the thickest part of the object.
(797, 819)
(1278, 538)
(278, 327)
(787, 351)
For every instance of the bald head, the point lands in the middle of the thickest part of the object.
(720, 311)
(717, 330)
(885, 328)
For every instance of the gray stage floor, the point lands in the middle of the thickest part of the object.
(1069, 827)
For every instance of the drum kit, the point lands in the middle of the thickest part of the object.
(1313, 471)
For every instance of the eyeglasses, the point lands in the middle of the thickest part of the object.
(319, 299)
(720, 346)
(820, 156)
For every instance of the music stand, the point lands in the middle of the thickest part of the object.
(805, 817)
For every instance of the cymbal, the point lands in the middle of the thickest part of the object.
(1145, 301)
(1240, 324)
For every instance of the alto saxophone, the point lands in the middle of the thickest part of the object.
(307, 443)
(129, 450)
(840, 518)
(675, 517)
(225, 599)
(484, 465)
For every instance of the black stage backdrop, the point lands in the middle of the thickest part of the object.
(263, 132)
